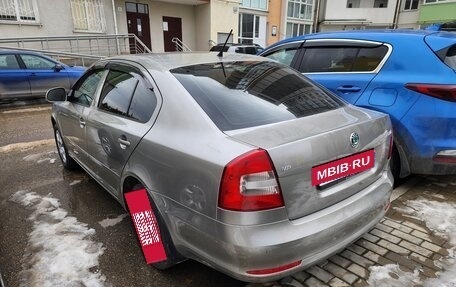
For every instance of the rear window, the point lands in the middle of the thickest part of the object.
(246, 94)
(450, 58)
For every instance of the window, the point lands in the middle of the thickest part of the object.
(353, 4)
(238, 95)
(300, 9)
(433, 1)
(88, 15)
(284, 56)
(137, 8)
(296, 29)
(8, 62)
(125, 93)
(411, 4)
(255, 4)
(19, 11)
(450, 59)
(85, 88)
(33, 62)
(249, 28)
(342, 59)
(380, 3)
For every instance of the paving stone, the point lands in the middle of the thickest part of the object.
(358, 270)
(428, 237)
(385, 236)
(407, 237)
(430, 273)
(357, 249)
(383, 227)
(424, 261)
(340, 261)
(313, 282)
(397, 225)
(403, 261)
(360, 283)
(372, 247)
(320, 273)
(371, 238)
(393, 247)
(301, 276)
(434, 248)
(415, 248)
(291, 282)
(377, 258)
(415, 226)
(322, 263)
(336, 282)
(341, 273)
(357, 259)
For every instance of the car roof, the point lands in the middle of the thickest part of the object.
(385, 35)
(169, 61)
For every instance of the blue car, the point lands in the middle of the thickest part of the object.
(409, 75)
(26, 75)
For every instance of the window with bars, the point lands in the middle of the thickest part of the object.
(88, 15)
(19, 11)
(411, 4)
(300, 9)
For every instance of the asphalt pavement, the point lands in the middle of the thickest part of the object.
(47, 213)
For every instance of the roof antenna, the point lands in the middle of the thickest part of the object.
(220, 54)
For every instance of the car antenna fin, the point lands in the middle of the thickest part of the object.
(220, 54)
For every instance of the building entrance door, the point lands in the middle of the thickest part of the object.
(138, 23)
(172, 28)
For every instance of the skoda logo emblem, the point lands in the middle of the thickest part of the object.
(354, 139)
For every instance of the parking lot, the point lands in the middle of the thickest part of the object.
(62, 225)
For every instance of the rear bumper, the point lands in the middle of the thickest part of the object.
(235, 249)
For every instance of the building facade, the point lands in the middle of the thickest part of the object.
(436, 12)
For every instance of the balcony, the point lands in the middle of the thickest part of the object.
(438, 12)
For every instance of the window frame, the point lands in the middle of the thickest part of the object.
(241, 5)
(409, 8)
(17, 13)
(94, 25)
(300, 3)
(37, 56)
(90, 72)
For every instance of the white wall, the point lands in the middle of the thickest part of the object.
(224, 17)
(337, 10)
(203, 27)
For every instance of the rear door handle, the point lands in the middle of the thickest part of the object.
(82, 122)
(123, 142)
(348, 89)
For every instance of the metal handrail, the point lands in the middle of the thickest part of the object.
(180, 46)
(211, 43)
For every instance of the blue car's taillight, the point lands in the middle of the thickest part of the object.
(443, 92)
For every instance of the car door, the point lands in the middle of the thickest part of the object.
(346, 67)
(73, 115)
(118, 122)
(286, 54)
(44, 74)
(14, 82)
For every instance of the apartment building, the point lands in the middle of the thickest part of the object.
(155, 22)
(436, 12)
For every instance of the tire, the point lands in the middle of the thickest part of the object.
(173, 256)
(65, 158)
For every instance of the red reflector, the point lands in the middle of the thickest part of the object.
(275, 269)
(443, 92)
(444, 159)
(249, 183)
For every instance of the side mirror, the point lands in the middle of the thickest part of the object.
(56, 95)
(58, 67)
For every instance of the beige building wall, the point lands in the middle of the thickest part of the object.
(203, 27)
(224, 17)
(274, 20)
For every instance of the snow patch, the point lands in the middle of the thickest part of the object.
(74, 182)
(60, 251)
(391, 275)
(27, 110)
(112, 221)
(40, 157)
(25, 145)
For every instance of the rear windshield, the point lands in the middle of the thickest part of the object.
(246, 94)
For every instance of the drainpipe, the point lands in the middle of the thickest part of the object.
(316, 16)
(396, 14)
(115, 25)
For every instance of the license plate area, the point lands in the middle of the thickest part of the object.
(331, 173)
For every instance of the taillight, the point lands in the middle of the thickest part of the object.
(443, 92)
(249, 183)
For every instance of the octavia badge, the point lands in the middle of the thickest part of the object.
(354, 140)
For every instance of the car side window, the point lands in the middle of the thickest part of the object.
(8, 62)
(84, 90)
(33, 62)
(342, 59)
(125, 93)
(284, 56)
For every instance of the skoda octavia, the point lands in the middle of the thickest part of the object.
(249, 166)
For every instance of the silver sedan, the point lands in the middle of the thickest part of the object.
(250, 167)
